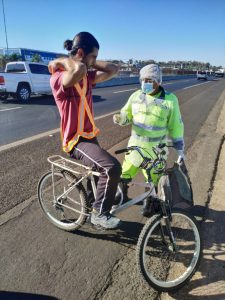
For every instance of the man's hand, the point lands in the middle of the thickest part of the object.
(105, 71)
(55, 65)
(66, 64)
(180, 154)
(116, 118)
(74, 70)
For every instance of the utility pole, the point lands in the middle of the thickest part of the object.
(3, 10)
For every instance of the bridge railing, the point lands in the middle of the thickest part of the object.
(135, 80)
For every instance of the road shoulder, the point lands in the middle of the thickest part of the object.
(209, 280)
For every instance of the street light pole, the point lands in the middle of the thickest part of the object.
(3, 10)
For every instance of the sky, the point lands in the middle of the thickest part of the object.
(162, 30)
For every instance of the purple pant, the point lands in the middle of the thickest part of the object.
(92, 155)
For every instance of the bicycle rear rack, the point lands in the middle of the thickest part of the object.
(71, 165)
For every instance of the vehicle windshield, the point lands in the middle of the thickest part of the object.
(15, 68)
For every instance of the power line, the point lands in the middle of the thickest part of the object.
(5, 26)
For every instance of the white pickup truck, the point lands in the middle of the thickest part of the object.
(22, 79)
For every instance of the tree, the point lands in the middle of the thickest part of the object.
(15, 57)
(36, 58)
(4, 59)
(207, 65)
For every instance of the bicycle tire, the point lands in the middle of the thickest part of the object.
(152, 266)
(62, 217)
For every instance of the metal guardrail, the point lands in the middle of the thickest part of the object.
(135, 80)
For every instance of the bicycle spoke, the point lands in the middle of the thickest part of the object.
(67, 208)
(163, 263)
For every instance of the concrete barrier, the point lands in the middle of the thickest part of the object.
(135, 80)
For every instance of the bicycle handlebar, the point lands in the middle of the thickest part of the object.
(159, 152)
(121, 151)
(138, 149)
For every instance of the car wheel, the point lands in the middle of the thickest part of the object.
(23, 92)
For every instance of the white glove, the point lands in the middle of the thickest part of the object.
(181, 155)
(116, 119)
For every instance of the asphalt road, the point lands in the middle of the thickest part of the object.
(22, 166)
(37, 258)
(19, 121)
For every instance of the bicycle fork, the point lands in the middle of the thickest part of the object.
(166, 218)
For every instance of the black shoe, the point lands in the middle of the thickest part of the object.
(150, 207)
(147, 207)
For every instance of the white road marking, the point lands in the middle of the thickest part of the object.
(180, 80)
(176, 80)
(52, 132)
(5, 109)
(106, 115)
(44, 134)
(124, 91)
(188, 87)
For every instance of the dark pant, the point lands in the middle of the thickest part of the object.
(92, 155)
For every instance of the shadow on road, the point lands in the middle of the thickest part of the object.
(24, 296)
(126, 235)
(36, 100)
(97, 98)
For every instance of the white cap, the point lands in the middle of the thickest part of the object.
(151, 71)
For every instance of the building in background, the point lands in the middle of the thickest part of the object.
(27, 54)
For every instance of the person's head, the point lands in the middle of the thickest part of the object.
(151, 79)
(84, 47)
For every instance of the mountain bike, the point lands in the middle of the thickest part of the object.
(169, 245)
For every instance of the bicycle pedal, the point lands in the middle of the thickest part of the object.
(88, 220)
(114, 207)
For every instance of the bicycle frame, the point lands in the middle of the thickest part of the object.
(163, 236)
(64, 164)
(86, 172)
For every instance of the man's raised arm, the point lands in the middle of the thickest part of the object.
(74, 70)
(105, 71)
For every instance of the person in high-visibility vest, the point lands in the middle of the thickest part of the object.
(154, 113)
(71, 84)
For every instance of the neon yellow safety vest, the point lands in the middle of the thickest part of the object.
(153, 117)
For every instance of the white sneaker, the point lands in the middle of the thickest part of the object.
(106, 220)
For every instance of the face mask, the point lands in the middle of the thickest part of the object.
(147, 87)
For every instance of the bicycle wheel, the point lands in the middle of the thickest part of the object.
(67, 211)
(164, 268)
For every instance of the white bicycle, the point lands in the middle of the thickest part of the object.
(169, 245)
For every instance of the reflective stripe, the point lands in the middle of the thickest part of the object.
(80, 119)
(147, 139)
(83, 107)
(148, 127)
(88, 134)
